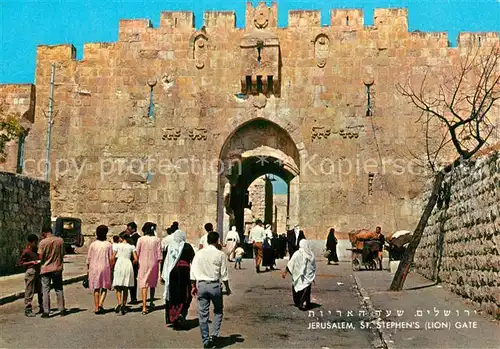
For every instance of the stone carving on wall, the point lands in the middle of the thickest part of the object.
(321, 49)
(194, 133)
(320, 132)
(171, 133)
(199, 44)
(324, 132)
(261, 16)
(259, 101)
(198, 134)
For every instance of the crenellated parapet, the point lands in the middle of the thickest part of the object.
(220, 20)
(56, 52)
(391, 19)
(484, 39)
(177, 20)
(304, 19)
(132, 30)
(389, 29)
(346, 19)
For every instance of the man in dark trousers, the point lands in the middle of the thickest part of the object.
(294, 236)
(208, 269)
(51, 255)
(134, 235)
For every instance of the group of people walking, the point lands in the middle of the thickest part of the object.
(184, 273)
(134, 262)
(111, 265)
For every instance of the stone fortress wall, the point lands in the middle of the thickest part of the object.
(174, 92)
(461, 243)
(24, 208)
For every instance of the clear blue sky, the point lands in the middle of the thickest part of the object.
(26, 24)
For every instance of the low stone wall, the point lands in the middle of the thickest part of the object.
(461, 243)
(24, 207)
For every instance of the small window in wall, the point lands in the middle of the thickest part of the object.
(259, 84)
(151, 108)
(270, 84)
(248, 80)
(371, 176)
(369, 107)
(20, 153)
(347, 20)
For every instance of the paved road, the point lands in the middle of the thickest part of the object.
(259, 314)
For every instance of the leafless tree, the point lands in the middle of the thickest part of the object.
(462, 103)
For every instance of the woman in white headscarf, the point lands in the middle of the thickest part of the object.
(176, 275)
(230, 242)
(302, 267)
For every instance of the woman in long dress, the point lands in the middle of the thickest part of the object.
(176, 275)
(331, 245)
(230, 242)
(99, 263)
(123, 277)
(149, 254)
(302, 267)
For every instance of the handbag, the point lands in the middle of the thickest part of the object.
(327, 253)
(85, 282)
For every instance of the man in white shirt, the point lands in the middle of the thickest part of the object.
(257, 235)
(208, 269)
(203, 241)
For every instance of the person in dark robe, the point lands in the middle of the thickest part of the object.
(176, 276)
(268, 260)
(294, 236)
(275, 245)
(381, 240)
(331, 245)
(282, 242)
(131, 231)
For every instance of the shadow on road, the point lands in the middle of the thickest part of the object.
(188, 325)
(150, 310)
(69, 312)
(314, 306)
(223, 342)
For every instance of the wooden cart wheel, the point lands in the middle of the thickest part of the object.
(355, 264)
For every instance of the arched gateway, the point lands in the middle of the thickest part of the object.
(253, 149)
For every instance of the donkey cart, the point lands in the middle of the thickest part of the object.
(365, 253)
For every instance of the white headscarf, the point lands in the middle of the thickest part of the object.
(232, 234)
(175, 247)
(302, 266)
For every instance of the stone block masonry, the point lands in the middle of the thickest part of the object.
(24, 207)
(461, 243)
(314, 100)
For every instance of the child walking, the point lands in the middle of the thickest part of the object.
(32, 281)
(123, 275)
(238, 253)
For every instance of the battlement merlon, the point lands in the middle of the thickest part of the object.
(478, 39)
(132, 29)
(347, 19)
(433, 39)
(391, 19)
(177, 20)
(98, 50)
(220, 19)
(56, 53)
(261, 16)
(304, 18)
(19, 98)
